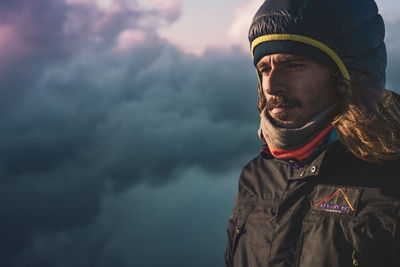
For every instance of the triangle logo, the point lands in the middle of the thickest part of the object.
(338, 200)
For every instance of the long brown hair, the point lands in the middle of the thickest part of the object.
(368, 124)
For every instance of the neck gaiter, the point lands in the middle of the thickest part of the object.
(290, 142)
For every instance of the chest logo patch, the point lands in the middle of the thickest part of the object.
(336, 199)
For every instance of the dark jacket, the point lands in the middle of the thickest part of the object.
(336, 211)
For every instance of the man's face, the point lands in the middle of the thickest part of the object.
(296, 88)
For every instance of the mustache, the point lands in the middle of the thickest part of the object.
(282, 101)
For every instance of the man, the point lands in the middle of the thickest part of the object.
(324, 190)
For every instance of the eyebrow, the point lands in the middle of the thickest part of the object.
(261, 65)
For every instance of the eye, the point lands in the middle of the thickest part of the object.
(265, 70)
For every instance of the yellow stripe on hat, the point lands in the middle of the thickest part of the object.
(306, 40)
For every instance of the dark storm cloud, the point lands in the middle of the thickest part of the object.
(79, 110)
(82, 117)
(190, 111)
(148, 227)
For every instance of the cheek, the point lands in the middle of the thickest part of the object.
(263, 83)
(327, 93)
(322, 98)
(316, 96)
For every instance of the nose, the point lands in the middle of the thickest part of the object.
(273, 82)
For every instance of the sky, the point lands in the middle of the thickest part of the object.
(124, 127)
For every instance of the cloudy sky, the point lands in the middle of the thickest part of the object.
(124, 127)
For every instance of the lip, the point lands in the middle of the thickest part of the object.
(280, 109)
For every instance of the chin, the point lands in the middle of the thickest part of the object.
(279, 117)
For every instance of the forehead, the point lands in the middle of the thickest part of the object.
(281, 58)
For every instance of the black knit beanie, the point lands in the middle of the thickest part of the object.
(346, 35)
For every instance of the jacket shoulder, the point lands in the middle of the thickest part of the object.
(261, 175)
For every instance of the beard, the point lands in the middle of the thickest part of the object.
(280, 102)
(282, 116)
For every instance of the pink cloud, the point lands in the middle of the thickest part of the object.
(129, 39)
(170, 8)
(72, 25)
(241, 23)
(106, 6)
(8, 37)
(102, 18)
(100, 13)
(13, 47)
